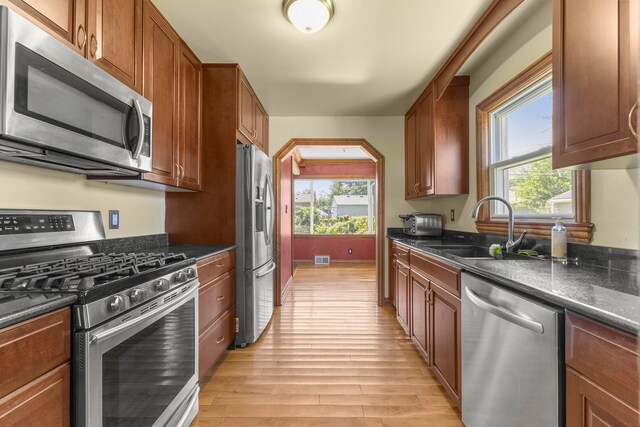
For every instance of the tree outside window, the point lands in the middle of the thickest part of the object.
(334, 206)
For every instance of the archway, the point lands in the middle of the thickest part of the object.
(281, 290)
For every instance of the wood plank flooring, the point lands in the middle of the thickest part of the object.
(330, 357)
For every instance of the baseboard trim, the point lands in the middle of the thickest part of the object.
(285, 291)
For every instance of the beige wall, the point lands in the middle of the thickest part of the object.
(28, 187)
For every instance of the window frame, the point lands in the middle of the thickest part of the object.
(372, 182)
(579, 228)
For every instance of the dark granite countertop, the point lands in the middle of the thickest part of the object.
(192, 251)
(18, 306)
(609, 295)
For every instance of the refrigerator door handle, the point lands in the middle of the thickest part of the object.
(268, 210)
(264, 273)
(504, 313)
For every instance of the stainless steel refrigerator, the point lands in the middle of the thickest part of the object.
(254, 236)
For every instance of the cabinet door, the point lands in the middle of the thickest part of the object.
(189, 129)
(402, 295)
(261, 123)
(411, 180)
(426, 144)
(246, 109)
(160, 86)
(445, 333)
(420, 314)
(391, 273)
(46, 401)
(594, 80)
(65, 19)
(590, 405)
(115, 38)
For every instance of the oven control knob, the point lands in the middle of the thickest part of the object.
(180, 277)
(115, 303)
(191, 273)
(137, 295)
(161, 285)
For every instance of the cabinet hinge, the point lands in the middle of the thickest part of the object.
(237, 325)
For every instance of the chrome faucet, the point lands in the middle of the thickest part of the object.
(512, 245)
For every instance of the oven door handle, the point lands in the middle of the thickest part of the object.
(96, 338)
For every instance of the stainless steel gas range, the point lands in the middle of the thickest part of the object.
(135, 320)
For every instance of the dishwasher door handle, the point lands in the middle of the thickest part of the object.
(504, 313)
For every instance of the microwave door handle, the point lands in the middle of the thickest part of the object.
(138, 150)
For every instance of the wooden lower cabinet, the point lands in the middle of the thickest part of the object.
(603, 374)
(402, 295)
(35, 371)
(588, 404)
(428, 308)
(216, 309)
(445, 332)
(214, 341)
(43, 402)
(420, 314)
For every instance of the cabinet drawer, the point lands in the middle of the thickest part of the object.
(43, 402)
(445, 275)
(32, 348)
(401, 252)
(215, 297)
(215, 340)
(607, 356)
(216, 266)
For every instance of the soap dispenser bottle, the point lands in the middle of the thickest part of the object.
(559, 242)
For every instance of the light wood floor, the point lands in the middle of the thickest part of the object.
(330, 357)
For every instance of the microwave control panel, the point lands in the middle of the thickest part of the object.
(26, 224)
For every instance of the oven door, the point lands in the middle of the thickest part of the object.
(141, 368)
(55, 99)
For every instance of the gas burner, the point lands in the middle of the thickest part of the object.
(82, 273)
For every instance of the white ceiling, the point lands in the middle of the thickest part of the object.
(332, 153)
(372, 59)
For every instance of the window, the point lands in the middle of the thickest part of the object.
(324, 206)
(520, 150)
(514, 140)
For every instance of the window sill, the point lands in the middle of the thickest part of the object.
(576, 232)
(341, 236)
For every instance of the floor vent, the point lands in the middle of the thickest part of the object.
(322, 260)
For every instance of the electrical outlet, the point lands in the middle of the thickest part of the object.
(350, 251)
(452, 215)
(114, 220)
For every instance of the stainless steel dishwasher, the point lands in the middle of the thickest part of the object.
(512, 358)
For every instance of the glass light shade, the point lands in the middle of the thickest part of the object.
(309, 16)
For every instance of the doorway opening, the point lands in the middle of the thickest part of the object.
(330, 199)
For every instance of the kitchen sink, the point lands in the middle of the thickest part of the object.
(480, 253)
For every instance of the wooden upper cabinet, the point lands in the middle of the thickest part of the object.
(253, 121)
(246, 109)
(160, 86)
(262, 130)
(410, 148)
(173, 82)
(64, 19)
(437, 142)
(114, 29)
(189, 135)
(425, 150)
(595, 48)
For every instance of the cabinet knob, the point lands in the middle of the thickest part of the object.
(631, 127)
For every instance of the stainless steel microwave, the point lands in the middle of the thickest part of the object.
(59, 110)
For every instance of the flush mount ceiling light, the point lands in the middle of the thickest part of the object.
(308, 16)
